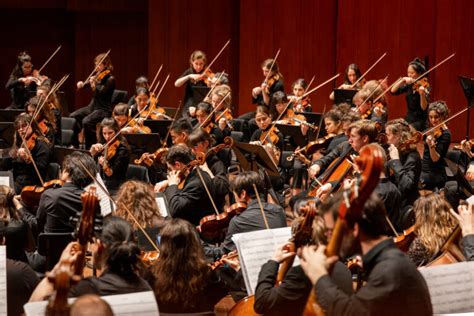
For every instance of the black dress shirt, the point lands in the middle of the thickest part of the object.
(415, 114)
(406, 175)
(394, 287)
(468, 247)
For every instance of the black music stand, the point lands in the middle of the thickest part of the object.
(7, 131)
(344, 96)
(293, 131)
(141, 143)
(158, 126)
(9, 115)
(467, 85)
(314, 118)
(60, 152)
(251, 156)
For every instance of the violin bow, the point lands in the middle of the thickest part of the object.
(100, 62)
(150, 88)
(434, 67)
(372, 93)
(446, 120)
(207, 189)
(107, 194)
(169, 129)
(31, 157)
(286, 107)
(217, 56)
(214, 85)
(50, 57)
(152, 106)
(321, 122)
(205, 122)
(257, 195)
(271, 66)
(365, 73)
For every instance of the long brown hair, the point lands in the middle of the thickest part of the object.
(182, 273)
(22, 120)
(7, 207)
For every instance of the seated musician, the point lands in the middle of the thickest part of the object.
(121, 115)
(140, 82)
(184, 282)
(189, 201)
(393, 284)
(224, 114)
(54, 105)
(352, 74)
(364, 98)
(24, 171)
(361, 133)
(334, 126)
(206, 121)
(433, 225)
(45, 118)
(200, 142)
(464, 217)
(142, 101)
(274, 141)
(279, 109)
(115, 256)
(298, 103)
(289, 297)
(252, 218)
(112, 158)
(179, 131)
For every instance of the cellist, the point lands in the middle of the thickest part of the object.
(393, 284)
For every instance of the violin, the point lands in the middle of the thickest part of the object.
(421, 83)
(138, 127)
(200, 160)
(98, 78)
(150, 257)
(62, 281)
(31, 194)
(207, 76)
(404, 240)
(31, 141)
(300, 105)
(270, 82)
(148, 159)
(220, 262)
(469, 144)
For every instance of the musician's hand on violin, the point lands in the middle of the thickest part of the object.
(304, 129)
(173, 177)
(101, 161)
(323, 192)
(393, 152)
(192, 111)
(222, 123)
(194, 77)
(345, 86)
(161, 186)
(470, 173)
(422, 90)
(128, 130)
(96, 148)
(408, 80)
(80, 84)
(465, 218)
(430, 140)
(256, 91)
(22, 153)
(16, 202)
(68, 256)
(93, 83)
(234, 263)
(314, 262)
(282, 253)
(314, 170)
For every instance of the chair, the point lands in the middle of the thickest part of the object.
(237, 136)
(68, 123)
(66, 137)
(135, 172)
(119, 96)
(53, 171)
(51, 245)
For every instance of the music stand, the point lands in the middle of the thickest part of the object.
(59, 153)
(257, 156)
(9, 115)
(314, 118)
(467, 85)
(7, 131)
(158, 126)
(141, 143)
(344, 96)
(294, 131)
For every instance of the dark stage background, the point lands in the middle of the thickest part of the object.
(316, 37)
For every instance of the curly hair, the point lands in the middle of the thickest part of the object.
(182, 272)
(434, 223)
(403, 130)
(7, 208)
(137, 197)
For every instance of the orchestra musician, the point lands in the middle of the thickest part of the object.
(334, 126)
(351, 75)
(393, 284)
(225, 120)
(54, 106)
(192, 78)
(273, 143)
(23, 81)
(140, 82)
(416, 95)
(44, 118)
(112, 156)
(142, 100)
(465, 218)
(364, 101)
(102, 85)
(180, 130)
(279, 108)
(299, 88)
(203, 110)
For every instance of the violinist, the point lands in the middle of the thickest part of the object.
(335, 128)
(192, 78)
(58, 205)
(299, 88)
(273, 143)
(121, 115)
(54, 106)
(203, 110)
(352, 74)
(464, 217)
(467, 147)
(102, 85)
(200, 142)
(278, 108)
(251, 219)
(23, 171)
(262, 94)
(433, 225)
(45, 118)
(23, 81)
(115, 256)
(417, 94)
(225, 120)
(433, 172)
(393, 284)
(184, 190)
(364, 98)
(142, 100)
(179, 131)
(404, 163)
(140, 82)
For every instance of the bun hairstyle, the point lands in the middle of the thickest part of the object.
(122, 255)
(418, 65)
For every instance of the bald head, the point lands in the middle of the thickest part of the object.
(90, 305)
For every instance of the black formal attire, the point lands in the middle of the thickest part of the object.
(391, 197)
(248, 221)
(433, 174)
(220, 183)
(394, 287)
(468, 247)
(110, 283)
(344, 149)
(336, 140)
(258, 134)
(19, 92)
(21, 282)
(99, 108)
(16, 238)
(118, 164)
(191, 202)
(289, 298)
(405, 173)
(212, 292)
(24, 173)
(416, 116)
(193, 92)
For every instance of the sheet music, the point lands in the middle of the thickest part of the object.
(255, 249)
(4, 180)
(451, 287)
(134, 304)
(160, 201)
(106, 206)
(3, 280)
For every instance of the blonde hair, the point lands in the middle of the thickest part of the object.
(197, 54)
